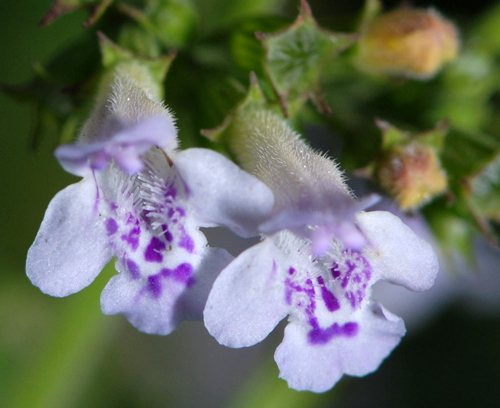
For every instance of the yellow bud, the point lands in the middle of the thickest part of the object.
(408, 42)
(412, 174)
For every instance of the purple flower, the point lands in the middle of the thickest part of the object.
(142, 202)
(334, 327)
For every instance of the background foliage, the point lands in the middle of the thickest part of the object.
(65, 353)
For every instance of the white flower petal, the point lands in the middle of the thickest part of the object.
(71, 247)
(157, 304)
(317, 367)
(398, 254)
(246, 301)
(222, 193)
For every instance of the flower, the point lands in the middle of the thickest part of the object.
(142, 202)
(311, 196)
(334, 327)
(316, 264)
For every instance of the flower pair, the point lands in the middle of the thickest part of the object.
(142, 201)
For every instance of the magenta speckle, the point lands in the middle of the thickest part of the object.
(153, 251)
(291, 271)
(111, 226)
(132, 238)
(186, 241)
(166, 233)
(353, 276)
(331, 302)
(154, 285)
(131, 219)
(351, 298)
(171, 192)
(293, 287)
(183, 274)
(335, 271)
(133, 268)
(319, 335)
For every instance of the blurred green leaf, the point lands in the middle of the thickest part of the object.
(295, 58)
(173, 22)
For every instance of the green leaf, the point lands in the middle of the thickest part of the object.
(482, 195)
(60, 91)
(173, 22)
(466, 153)
(295, 58)
(453, 228)
(485, 190)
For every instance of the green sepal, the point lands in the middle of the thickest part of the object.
(156, 68)
(393, 136)
(295, 56)
(96, 9)
(254, 100)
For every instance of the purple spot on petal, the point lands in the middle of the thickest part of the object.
(291, 271)
(133, 268)
(171, 191)
(111, 226)
(183, 273)
(132, 238)
(318, 335)
(153, 250)
(351, 298)
(166, 233)
(288, 292)
(335, 271)
(186, 241)
(113, 207)
(331, 302)
(154, 285)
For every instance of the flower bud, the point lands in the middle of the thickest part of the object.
(412, 174)
(408, 42)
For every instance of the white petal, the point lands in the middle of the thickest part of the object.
(244, 305)
(317, 367)
(398, 254)
(161, 309)
(195, 299)
(71, 247)
(222, 193)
